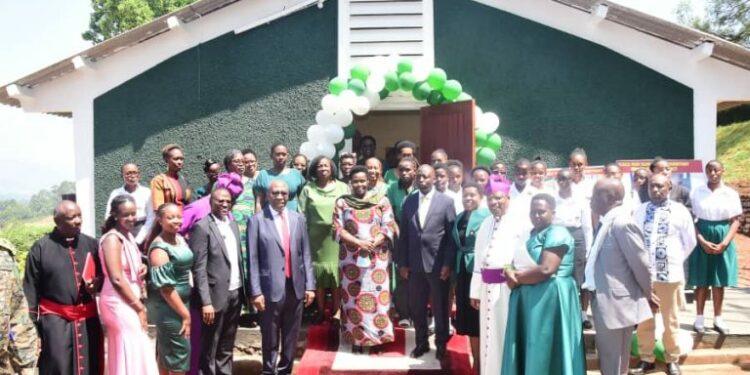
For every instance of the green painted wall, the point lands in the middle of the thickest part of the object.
(248, 90)
(554, 91)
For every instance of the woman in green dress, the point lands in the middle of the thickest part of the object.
(465, 235)
(293, 178)
(713, 263)
(170, 261)
(316, 202)
(544, 334)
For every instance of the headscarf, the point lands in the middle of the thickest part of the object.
(201, 208)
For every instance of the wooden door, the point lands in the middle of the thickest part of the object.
(450, 127)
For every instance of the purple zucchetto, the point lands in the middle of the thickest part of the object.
(497, 183)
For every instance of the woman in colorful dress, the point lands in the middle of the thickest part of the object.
(121, 311)
(293, 178)
(169, 295)
(211, 168)
(544, 334)
(364, 228)
(316, 203)
(465, 235)
(375, 183)
(171, 187)
(714, 261)
(499, 237)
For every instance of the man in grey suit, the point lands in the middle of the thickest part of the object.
(618, 276)
(426, 256)
(219, 283)
(281, 277)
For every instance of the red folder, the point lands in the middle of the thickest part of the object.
(89, 269)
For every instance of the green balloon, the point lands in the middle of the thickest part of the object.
(485, 156)
(481, 138)
(404, 66)
(349, 131)
(435, 97)
(391, 81)
(357, 85)
(407, 81)
(384, 93)
(463, 97)
(340, 145)
(494, 142)
(437, 78)
(337, 85)
(421, 90)
(452, 89)
(360, 72)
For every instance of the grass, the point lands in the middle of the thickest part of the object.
(733, 149)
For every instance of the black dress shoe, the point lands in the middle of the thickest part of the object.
(419, 351)
(721, 330)
(357, 349)
(587, 324)
(673, 369)
(643, 367)
(440, 353)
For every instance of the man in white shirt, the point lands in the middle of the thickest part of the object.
(219, 283)
(669, 236)
(131, 176)
(520, 184)
(455, 182)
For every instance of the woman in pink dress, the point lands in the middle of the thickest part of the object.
(129, 351)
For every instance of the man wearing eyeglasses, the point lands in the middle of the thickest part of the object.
(281, 277)
(131, 177)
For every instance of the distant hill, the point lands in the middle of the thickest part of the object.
(733, 149)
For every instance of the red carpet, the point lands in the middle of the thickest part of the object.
(323, 342)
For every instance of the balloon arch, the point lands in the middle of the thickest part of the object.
(372, 82)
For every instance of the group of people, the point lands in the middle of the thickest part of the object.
(520, 260)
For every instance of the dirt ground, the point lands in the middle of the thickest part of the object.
(743, 259)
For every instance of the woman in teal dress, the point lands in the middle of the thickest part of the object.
(169, 291)
(544, 334)
(293, 178)
(713, 263)
(316, 202)
(465, 235)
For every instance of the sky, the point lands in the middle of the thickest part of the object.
(36, 150)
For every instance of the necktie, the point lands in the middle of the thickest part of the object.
(287, 243)
(422, 210)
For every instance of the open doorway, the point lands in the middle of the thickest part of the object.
(448, 126)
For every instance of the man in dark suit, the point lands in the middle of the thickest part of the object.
(219, 283)
(281, 277)
(426, 258)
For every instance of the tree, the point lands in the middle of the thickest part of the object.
(727, 19)
(112, 17)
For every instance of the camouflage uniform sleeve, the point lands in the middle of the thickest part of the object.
(21, 332)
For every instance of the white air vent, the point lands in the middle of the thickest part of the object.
(369, 28)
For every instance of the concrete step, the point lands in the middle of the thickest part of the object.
(709, 357)
(701, 370)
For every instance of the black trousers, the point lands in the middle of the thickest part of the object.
(217, 340)
(284, 317)
(425, 287)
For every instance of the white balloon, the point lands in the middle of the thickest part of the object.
(308, 149)
(334, 133)
(490, 122)
(477, 117)
(373, 97)
(342, 118)
(393, 61)
(326, 149)
(361, 106)
(420, 70)
(330, 103)
(324, 117)
(316, 134)
(348, 98)
(375, 82)
(378, 65)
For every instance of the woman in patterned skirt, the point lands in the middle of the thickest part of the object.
(364, 228)
(713, 263)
